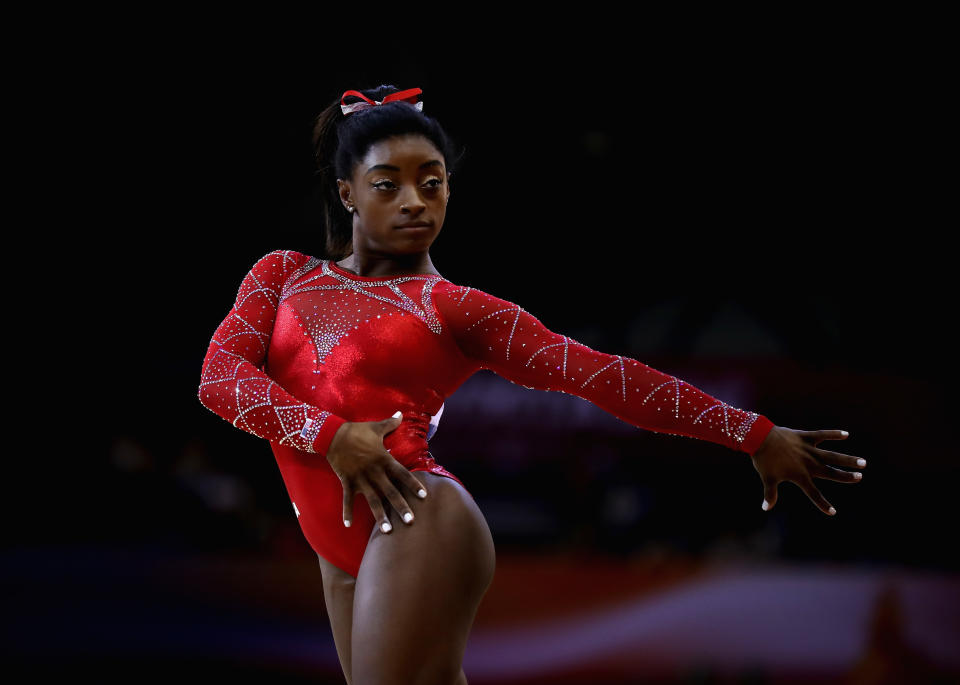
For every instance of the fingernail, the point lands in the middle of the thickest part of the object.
(386, 527)
(765, 505)
(408, 517)
(397, 415)
(346, 523)
(858, 476)
(844, 433)
(832, 511)
(861, 462)
(421, 493)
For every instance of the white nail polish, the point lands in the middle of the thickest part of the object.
(832, 511)
(844, 433)
(421, 493)
(861, 462)
(765, 505)
(858, 476)
(346, 523)
(386, 527)
(397, 415)
(408, 517)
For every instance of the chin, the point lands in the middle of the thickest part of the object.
(412, 246)
(422, 239)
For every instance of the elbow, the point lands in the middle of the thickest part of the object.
(203, 389)
(203, 397)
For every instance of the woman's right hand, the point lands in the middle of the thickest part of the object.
(361, 462)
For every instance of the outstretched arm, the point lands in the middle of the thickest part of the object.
(505, 338)
(501, 336)
(233, 384)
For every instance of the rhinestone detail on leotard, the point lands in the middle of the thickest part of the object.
(339, 318)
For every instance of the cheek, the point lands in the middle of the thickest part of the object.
(378, 211)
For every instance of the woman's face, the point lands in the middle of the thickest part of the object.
(401, 181)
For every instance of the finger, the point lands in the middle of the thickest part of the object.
(391, 423)
(839, 459)
(813, 493)
(769, 495)
(347, 503)
(395, 498)
(408, 480)
(820, 436)
(376, 505)
(839, 475)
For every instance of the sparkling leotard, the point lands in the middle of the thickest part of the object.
(308, 346)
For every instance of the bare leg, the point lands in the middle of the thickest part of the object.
(338, 588)
(418, 591)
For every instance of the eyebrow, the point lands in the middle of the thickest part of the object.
(390, 167)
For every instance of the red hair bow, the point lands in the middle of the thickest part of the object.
(409, 95)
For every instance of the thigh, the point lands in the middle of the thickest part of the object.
(419, 588)
(338, 589)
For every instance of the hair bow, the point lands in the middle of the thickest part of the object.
(409, 95)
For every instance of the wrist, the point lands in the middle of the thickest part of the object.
(758, 435)
(766, 440)
(321, 432)
(337, 438)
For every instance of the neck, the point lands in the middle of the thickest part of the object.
(375, 266)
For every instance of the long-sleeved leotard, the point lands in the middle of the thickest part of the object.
(233, 383)
(309, 345)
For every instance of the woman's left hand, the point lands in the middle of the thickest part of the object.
(792, 455)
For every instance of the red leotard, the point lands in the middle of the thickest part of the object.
(308, 346)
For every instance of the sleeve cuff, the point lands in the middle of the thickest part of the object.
(321, 443)
(756, 435)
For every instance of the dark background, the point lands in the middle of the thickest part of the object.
(755, 213)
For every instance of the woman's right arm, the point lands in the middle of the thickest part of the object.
(233, 384)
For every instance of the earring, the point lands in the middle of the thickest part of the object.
(350, 209)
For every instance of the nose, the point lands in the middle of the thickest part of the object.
(411, 202)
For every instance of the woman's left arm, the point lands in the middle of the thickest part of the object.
(503, 337)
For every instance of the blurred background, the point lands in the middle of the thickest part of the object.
(750, 211)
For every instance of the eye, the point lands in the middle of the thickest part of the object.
(434, 183)
(379, 185)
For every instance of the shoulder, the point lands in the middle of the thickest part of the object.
(278, 265)
(443, 287)
(463, 289)
(284, 259)
(458, 295)
(274, 269)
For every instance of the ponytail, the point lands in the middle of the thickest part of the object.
(337, 222)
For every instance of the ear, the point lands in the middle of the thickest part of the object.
(343, 189)
(449, 187)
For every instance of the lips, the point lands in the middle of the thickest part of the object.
(415, 224)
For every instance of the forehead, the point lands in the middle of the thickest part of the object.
(405, 150)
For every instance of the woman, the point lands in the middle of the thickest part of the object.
(343, 364)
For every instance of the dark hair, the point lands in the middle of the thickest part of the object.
(340, 141)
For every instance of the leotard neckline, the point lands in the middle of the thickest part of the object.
(340, 270)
